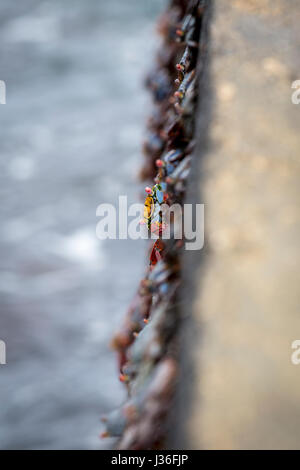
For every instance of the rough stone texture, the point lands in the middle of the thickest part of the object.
(246, 311)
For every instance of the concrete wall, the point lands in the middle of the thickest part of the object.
(239, 388)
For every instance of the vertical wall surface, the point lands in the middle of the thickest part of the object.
(242, 390)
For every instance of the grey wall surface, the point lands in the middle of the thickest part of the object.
(239, 388)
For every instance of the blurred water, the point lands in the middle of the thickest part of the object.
(70, 139)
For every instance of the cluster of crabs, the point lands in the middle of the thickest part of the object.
(146, 343)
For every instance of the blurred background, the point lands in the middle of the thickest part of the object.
(71, 135)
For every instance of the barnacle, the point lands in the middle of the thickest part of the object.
(146, 342)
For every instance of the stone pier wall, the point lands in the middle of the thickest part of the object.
(241, 302)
